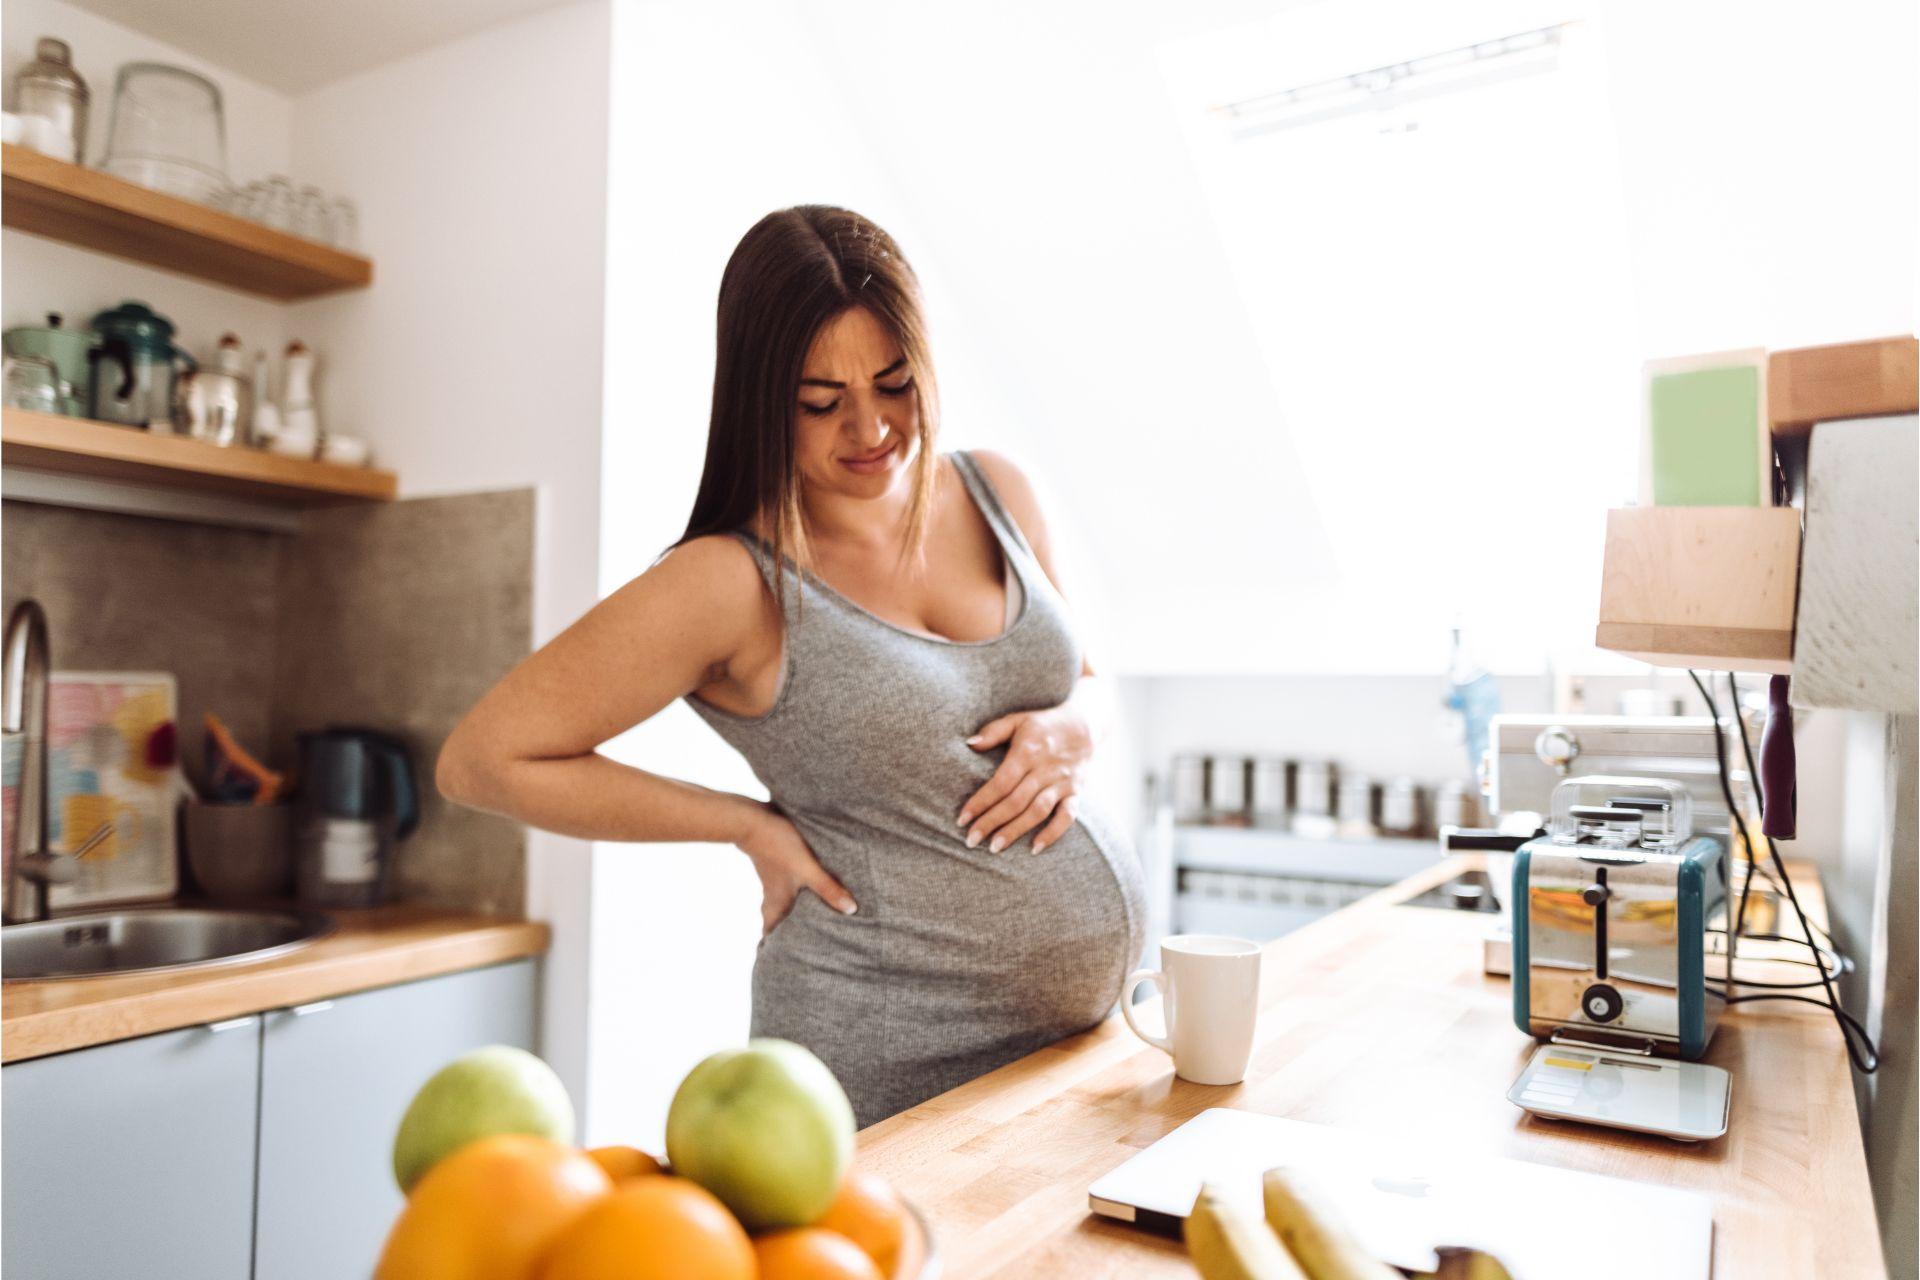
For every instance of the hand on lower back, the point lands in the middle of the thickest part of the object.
(785, 866)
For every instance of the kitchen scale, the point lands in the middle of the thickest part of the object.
(1688, 1101)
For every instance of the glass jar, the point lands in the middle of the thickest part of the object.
(32, 382)
(49, 87)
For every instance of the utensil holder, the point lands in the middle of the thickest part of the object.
(240, 852)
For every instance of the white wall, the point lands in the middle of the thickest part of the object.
(705, 141)
(44, 275)
(1086, 319)
(1766, 154)
(474, 361)
(1768, 160)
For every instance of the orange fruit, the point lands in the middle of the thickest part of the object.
(812, 1253)
(868, 1212)
(622, 1163)
(663, 1228)
(490, 1209)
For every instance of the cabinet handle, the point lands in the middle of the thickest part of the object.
(318, 1006)
(231, 1024)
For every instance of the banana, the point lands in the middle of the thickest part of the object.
(1315, 1237)
(1469, 1264)
(1229, 1244)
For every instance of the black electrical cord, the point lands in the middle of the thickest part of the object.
(1865, 1055)
(1831, 962)
(1835, 962)
(1733, 813)
(1767, 877)
(1753, 775)
(1848, 1023)
(1825, 948)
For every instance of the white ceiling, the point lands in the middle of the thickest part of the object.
(296, 45)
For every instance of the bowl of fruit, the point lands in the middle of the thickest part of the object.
(757, 1181)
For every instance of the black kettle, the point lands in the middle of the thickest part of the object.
(359, 796)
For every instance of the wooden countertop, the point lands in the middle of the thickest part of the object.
(367, 949)
(1000, 1166)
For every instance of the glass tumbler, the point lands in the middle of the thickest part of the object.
(310, 214)
(345, 224)
(275, 207)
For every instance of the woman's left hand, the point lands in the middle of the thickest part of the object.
(1037, 781)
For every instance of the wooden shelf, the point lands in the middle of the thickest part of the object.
(98, 211)
(1706, 587)
(99, 450)
(1846, 380)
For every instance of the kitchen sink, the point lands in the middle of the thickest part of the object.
(115, 942)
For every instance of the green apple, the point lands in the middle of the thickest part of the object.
(765, 1128)
(498, 1089)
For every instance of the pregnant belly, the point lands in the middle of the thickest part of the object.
(1046, 936)
(958, 960)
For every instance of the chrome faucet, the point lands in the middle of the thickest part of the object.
(31, 867)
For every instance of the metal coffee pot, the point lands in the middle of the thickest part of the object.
(215, 403)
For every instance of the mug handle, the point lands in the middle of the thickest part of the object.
(1159, 980)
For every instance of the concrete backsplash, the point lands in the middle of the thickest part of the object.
(113, 586)
(396, 616)
(399, 616)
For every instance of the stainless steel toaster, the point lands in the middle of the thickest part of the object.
(1613, 912)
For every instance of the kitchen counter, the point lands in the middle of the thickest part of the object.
(368, 948)
(1378, 1019)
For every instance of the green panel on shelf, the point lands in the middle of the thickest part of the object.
(1705, 438)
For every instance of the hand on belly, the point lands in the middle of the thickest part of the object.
(1035, 785)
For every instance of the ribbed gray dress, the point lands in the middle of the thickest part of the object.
(959, 960)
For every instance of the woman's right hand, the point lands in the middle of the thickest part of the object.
(785, 866)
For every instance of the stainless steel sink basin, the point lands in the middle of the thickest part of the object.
(114, 942)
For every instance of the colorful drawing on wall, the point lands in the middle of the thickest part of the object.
(110, 755)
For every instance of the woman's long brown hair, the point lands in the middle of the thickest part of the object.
(793, 272)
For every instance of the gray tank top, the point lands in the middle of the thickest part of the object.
(959, 960)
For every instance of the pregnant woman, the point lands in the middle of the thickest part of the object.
(876, 627)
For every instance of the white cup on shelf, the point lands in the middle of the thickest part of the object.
(1210, 998)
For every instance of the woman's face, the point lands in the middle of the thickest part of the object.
(856, 425)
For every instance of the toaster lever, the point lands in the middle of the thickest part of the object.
(1596, 895)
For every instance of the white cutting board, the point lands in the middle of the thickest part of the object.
(1400, 1202)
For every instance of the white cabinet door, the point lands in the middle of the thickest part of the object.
(133, 1159)
(336, 1077)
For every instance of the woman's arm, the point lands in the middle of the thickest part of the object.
(1048, 749)
(527, 748)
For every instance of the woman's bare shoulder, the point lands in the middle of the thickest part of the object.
(713, 578)
(1016, 493)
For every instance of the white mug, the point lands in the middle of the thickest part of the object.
(1210, 995)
